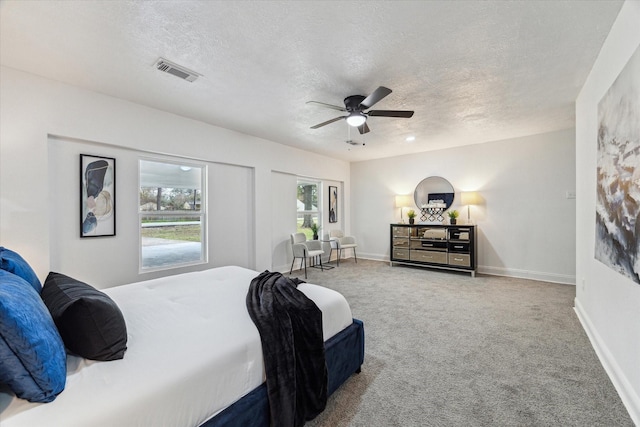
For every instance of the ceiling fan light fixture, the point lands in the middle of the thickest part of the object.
(356, 119)
(355, 106)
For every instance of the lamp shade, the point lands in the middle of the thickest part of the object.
(404, 201)
(469, 198)
(356, 119)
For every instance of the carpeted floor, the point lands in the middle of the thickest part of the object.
(445, 349)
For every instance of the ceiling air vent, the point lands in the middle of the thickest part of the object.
(176, 70)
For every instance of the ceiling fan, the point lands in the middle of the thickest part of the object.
(356, 105)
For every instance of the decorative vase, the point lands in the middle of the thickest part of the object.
(315, 237)
(453, 221)
(411, 220)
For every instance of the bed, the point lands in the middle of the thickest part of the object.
(194, 358)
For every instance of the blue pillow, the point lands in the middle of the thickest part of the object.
(34, 362)
(14, 263)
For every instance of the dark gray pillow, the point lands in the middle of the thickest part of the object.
(90, 323)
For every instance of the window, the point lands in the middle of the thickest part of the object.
(172, 215)
(309, 212)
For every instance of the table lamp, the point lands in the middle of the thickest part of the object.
(403, 201)
(469, 198)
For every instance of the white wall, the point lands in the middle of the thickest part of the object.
(35, 111)
(283, 219)
(525, 224)
(607, 303)
(229, 229)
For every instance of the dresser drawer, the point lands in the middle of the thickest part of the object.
(429, 256)
(432, 233)
(460, 234)
(401, 242)
(459, 247)
(428, 245)
(400, 231)
(400, 253)
(463, 260)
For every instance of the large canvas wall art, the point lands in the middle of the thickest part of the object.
(97, 196)
(618, 174)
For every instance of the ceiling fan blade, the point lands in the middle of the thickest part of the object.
(375, 96)
(322, 104)
(363, 128)
(327, 122)
(390, 113)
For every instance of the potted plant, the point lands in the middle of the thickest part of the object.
(411, 215)
(453, 216)
(314, 227)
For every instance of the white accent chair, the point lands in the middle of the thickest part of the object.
(305, 249)
(339, 242)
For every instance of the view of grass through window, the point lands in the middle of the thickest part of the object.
(188, 233)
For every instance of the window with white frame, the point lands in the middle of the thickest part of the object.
(172, 214)
(308, 207)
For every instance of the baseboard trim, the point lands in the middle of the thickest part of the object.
(500, 271)
(373, 257)
(528, 274)
(629, 398)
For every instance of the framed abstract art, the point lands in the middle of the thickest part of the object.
(97, 196)
(333, 204)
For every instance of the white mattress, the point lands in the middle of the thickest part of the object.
(192, 351)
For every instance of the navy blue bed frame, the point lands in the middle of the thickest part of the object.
(344, 353)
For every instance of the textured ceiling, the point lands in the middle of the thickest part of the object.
(473, 71)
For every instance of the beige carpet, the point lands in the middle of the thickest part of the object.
(445, 349)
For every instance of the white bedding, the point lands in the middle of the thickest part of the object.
(192, 351)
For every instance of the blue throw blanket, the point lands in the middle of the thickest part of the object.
(290, 327)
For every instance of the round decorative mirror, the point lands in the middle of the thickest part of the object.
(433, 195)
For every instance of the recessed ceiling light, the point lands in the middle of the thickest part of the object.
(410, 138)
